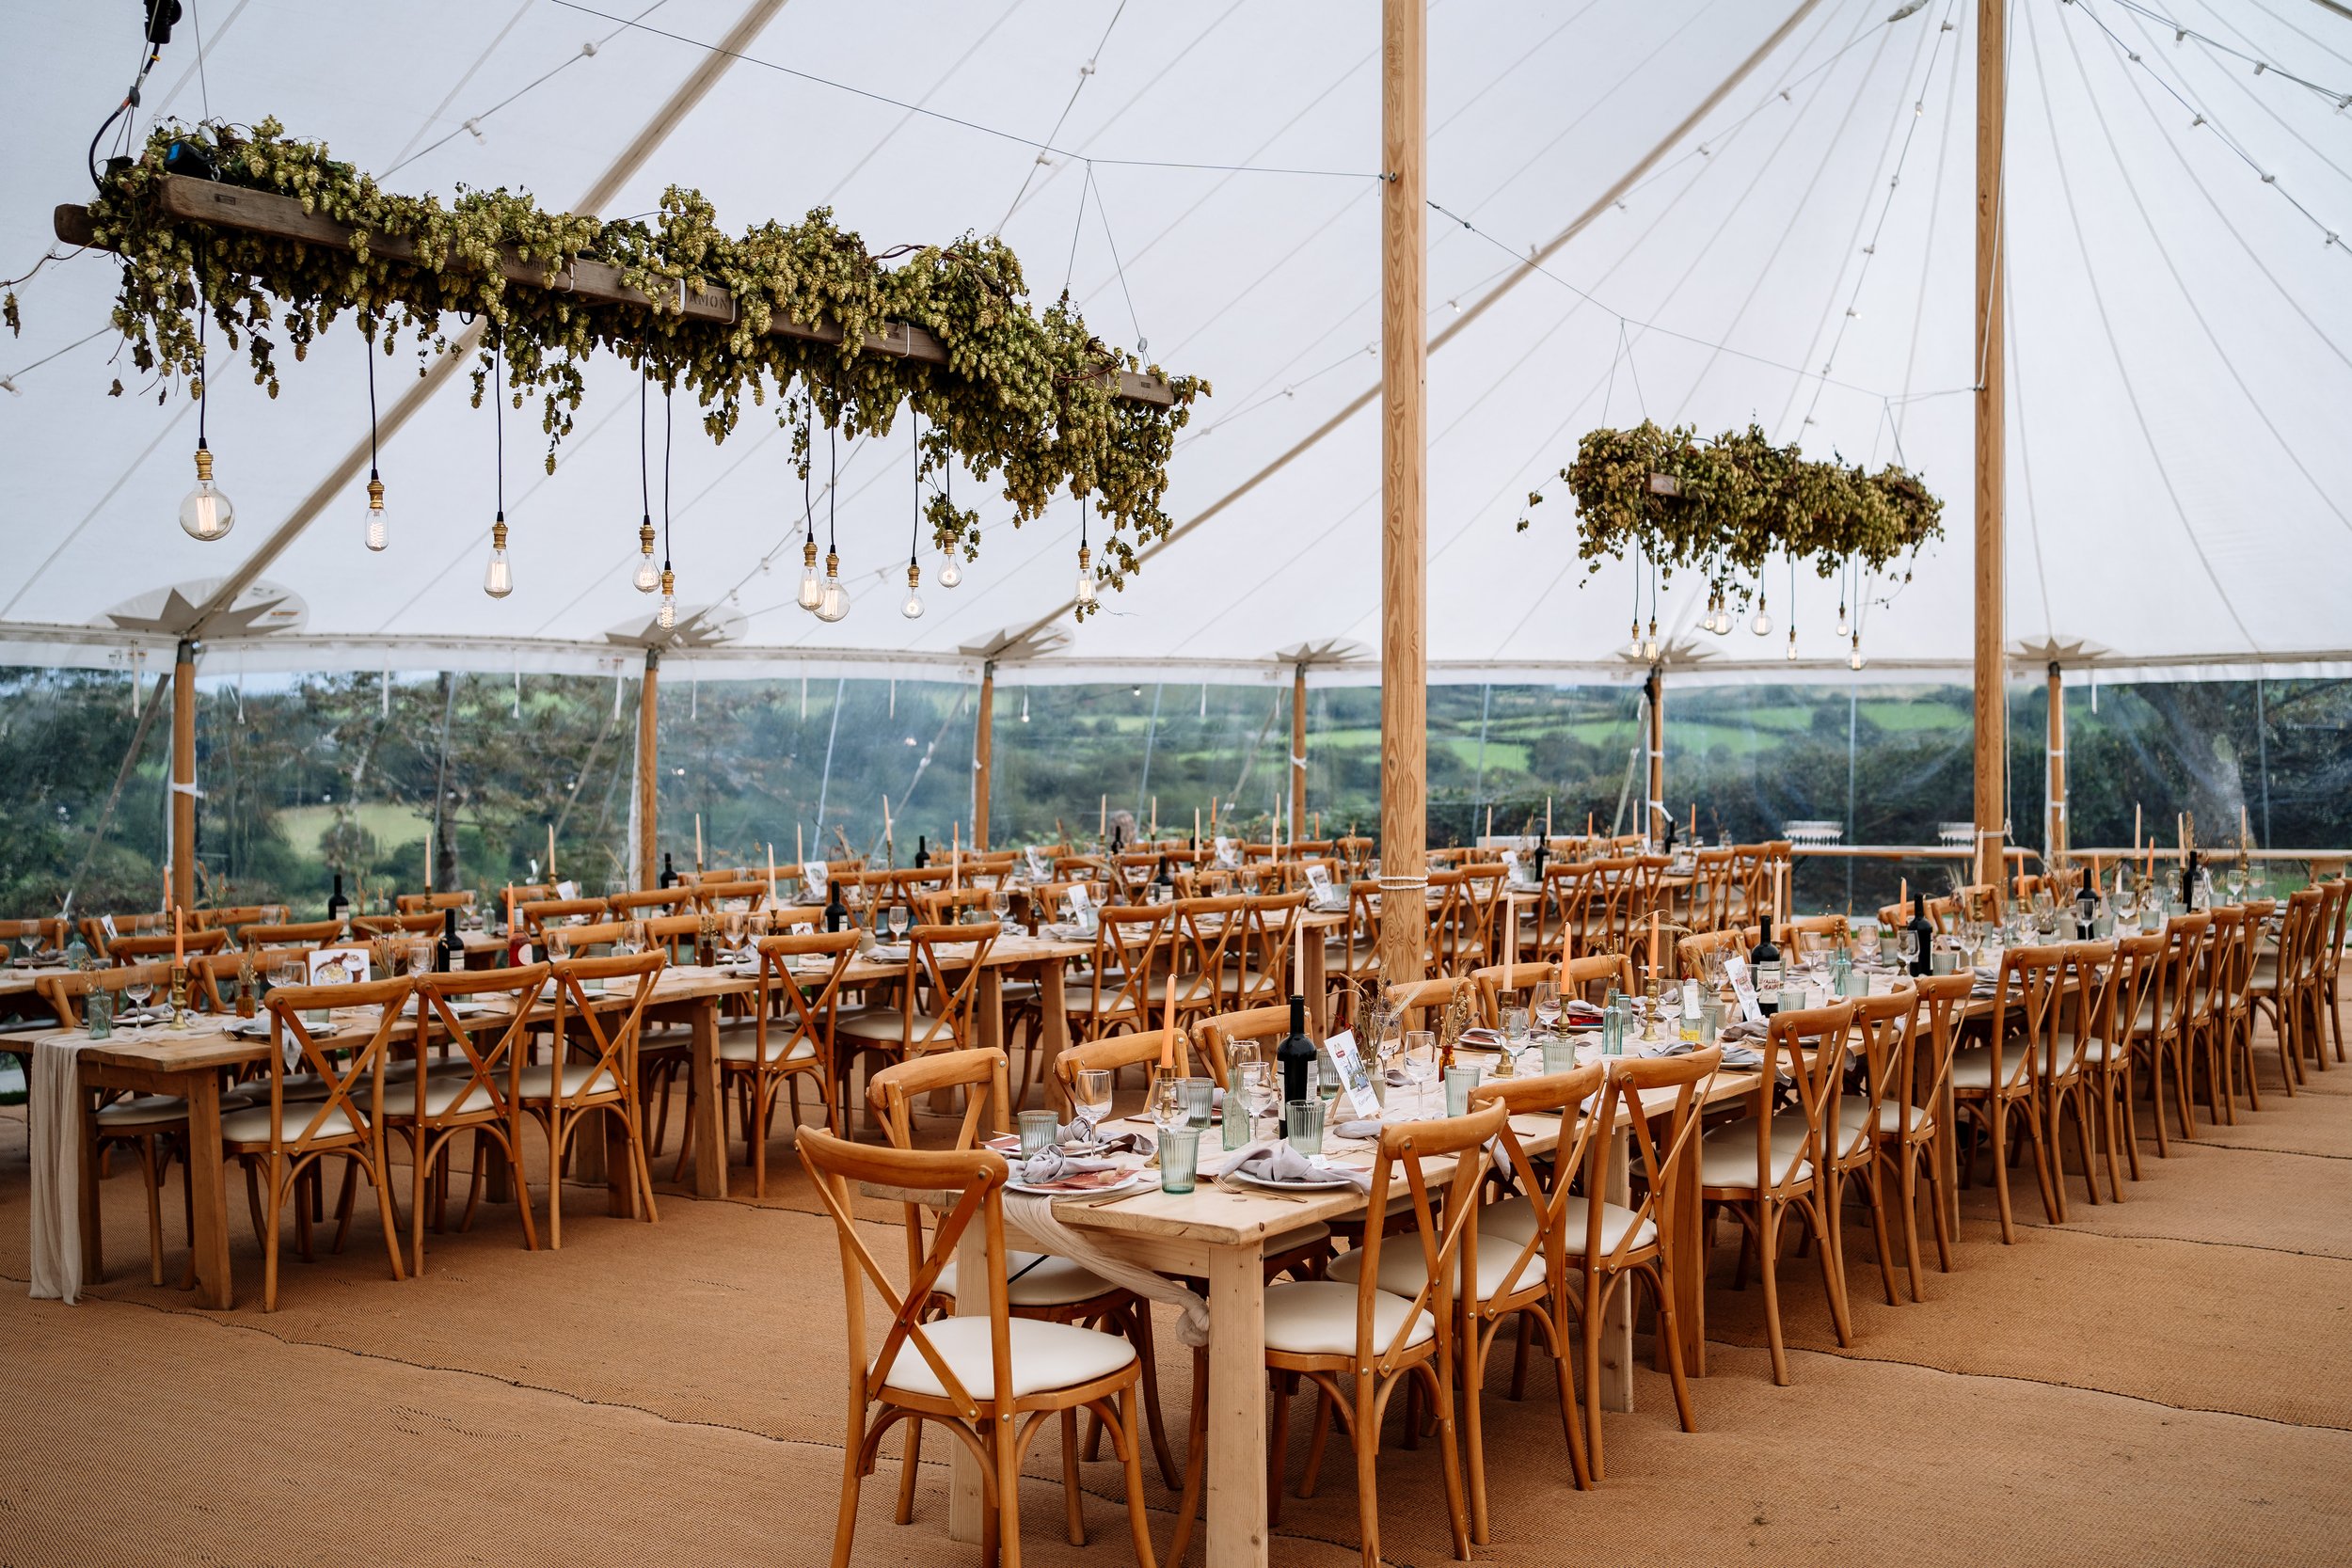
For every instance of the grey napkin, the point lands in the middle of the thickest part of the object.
(1278, 1163)
(1051, 1165)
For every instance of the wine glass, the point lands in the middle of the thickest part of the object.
(2235, 880)
(285, 971)
(1256, 1079)
(2126, 902)
(999, 903)
(1867, 940)
(1909, 948)
(1169, 1109)
(1091, 1094)
(137, 989)
(1544, 1004)
(419, 956)
(1420, 1064)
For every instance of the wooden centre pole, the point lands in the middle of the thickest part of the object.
(1299, 749)
(2056, 837)
(1992, 709)
(183, 776)
(984, 755)
(1404, 492)
(649, 777)
(1656, 818)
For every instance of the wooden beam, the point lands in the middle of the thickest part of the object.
(2054, 842)
(1404, 495)
(983, 754)
(184, 777)
(284, 218)
(1991, 697)
(648, 776)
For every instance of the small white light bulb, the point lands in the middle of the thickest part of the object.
(812, 591)
(379, 527)
(913, 608)
(647, 578)
(833, 602)
(950, 574)
(668, 617)
(498, 577)
(205, 512)
(1762, 624)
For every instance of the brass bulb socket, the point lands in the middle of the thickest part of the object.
(375, 495)
(645, 539)
(497, 535)
(833, 564)
(808, 551)
(914, 575)
(204, 463)
(669, 581)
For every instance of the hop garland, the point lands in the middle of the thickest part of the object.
(1024, 399)
(1738, 499)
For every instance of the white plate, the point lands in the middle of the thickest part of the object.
(1332, 1185)
(1134, 1179)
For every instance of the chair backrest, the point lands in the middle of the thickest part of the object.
(628, 906)
(131, 949)
(1269, 933)
(94, 927)
(63, 991)
(489, 1045)
(675, 934)
(1495, 979)
(1563, 1094)
(1662, 1157)
(978, 1071)
(1693, 952)
(1617, 892)
(537, 916)
(2331, 923)
(1208, 932)
(565, 941)
(520, 894)
(49, 929)
(416, 903)
(1715, 879)
(230, 918)
(1121, 1050)
(2185, 939)
(2131, 986)
(1943, 1001)
(1412, 996)
(1214, 1038)
(386, 924)
(2041, 998)
(948, 961)
(711, 892)
(1439, 1227)
(2217, 984)
(1568, 895)
(1131, 943)
(1888, 1028)
(809, 1005)
(592, 1036)
(1811, 1042)
(292, 1049)
(302, 933)
(1590, 977)
(941, 908)
(975, 1178)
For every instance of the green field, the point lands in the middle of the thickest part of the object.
(307, 827)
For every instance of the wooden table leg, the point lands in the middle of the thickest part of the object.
(711, 1150)
(1054, 1037)
(1616, 1334)
(1945, 1148)
(1237, 1418)
(208, 1193)
(966, 1509)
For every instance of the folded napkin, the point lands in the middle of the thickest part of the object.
(1278, 1163)
(1054, 1165)
(1579, 1011)
(1743, 1030)
(1081, 1130)
(134, 1016)
(1364, 1130)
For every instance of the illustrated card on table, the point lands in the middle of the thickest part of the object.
(1349, 1063)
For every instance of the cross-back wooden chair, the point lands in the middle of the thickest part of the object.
(1560, 913)
(1115, 990)
(1910, 1117)
(520, 894)
(1495, 980)
(1615, 895)
(1714, 885)
(94, 929)
(1874, 1110)
(1212, 1039)
(49, 931)
(787, 1039)
(423, 923)
(1359, 1342)
(1517, 1264)
(2166, 1030)
(1412, 997)
(1765, 1167)
(589, 941)
(1208, 934)
(2233, 1005)
(539, 914)
(2130, 987)
(159, 945)
(433, 903)
(66, 991)
(1260, 976)
(277, 1142)
(649, 901)
(592, 1075)
(1693, 952)
(470, 1090)
(300, 933)
(2000, 1080)
(2281, 981)
(1477, 930)
(1351, 953)
(2327, 964)
(1590, 978)
(996, 1378)
(229, 917)
(935, 994)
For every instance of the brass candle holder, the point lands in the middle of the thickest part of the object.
(179, 996)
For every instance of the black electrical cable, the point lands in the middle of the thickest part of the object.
(372, 474)
(808, 482)
(914, 539)
(645, 481)
(665, 479)
(497, 423)
(203, 380)
(833, 487)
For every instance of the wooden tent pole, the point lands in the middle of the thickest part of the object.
(2056, 837)
(183, 776)
(1655, 820)
(1299, 747)
(984, 755)
(648, 776)
(1404, 532)
(1992, 714)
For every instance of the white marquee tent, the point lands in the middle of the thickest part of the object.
(2180, 323)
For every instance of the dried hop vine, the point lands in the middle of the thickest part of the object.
(1025, 400)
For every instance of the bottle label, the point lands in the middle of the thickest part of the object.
(1768, 977)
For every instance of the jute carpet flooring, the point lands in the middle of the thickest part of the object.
(2163, 1380)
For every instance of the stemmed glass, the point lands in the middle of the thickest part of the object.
(1169, 1108)
(1091, 1094)
(1420, 1065)
(999, 903)
(2126, 902)
(2235, 880)
(419, 956)
(1867, 940)
(1545, 1004)
(137, 989)
(285, 971)
(1910, 941)
(1256, 1079)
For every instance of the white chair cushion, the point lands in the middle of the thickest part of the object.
(1727, 1156)
(1513, 1220)
(1039, 1279)
(251, 1125)
(1973, 1069)
(442, 1095)
(537, 1080)
(139, 1112)
(1401, 1269)
(1788, 1127)
(740, 1042)
(1317, 1317)
(1044, 1355)
(1852, 1114)
(887, 1024)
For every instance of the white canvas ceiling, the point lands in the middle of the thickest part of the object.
(2180, 328)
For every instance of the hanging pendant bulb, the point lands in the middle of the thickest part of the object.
(1791, 653)
(1633, 640)
(497, 578)
(379, 524)
(647, 578)
(1085, 590)
(668, 617)
(834, 602)
(1649, 643)
(1762, 624)
(1853, 659)
(811, 586)
(1842, 627)
(205, 512)
(913, 608)
(950, 574)
(1025, 708)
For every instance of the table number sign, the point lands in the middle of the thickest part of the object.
(1038, 870)
(1227, 855)
(815, 875)
(1319, 884)
(337, 966)
(1743, 986)
(1349, 1063)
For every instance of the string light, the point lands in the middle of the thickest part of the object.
(951, 573)
(1853, 659)
(205, 512)
(1084, 592)
(377, 532)
(812, 591)
(498, 577)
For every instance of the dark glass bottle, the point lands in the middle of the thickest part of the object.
(836, 913)
(1295, 1056)
(449, 953)
(1923, 960)
(669, 873)
(2086, 909)
(922, 851)
(338, 907)
(1164, 878)
(1764, 960)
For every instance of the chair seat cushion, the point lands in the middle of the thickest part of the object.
(1513, 1220)
(301, 1086)
(1853, 1114)
(1973, 1069)
(890, 1026)
(1039, 1279)
(1317, 1317)
(251, 1125)
(1044, 1355)
(140, 1112)
(740, 1042)
(1727, 1156)
(579, 1079)
(1402, 1270)
(444, 1094)
(1789, 1126)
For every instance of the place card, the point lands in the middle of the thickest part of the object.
(1318, 882)
(1349, 1063)
(1227, 855)
(1743, 986)
(815, 875)
(334, 966)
